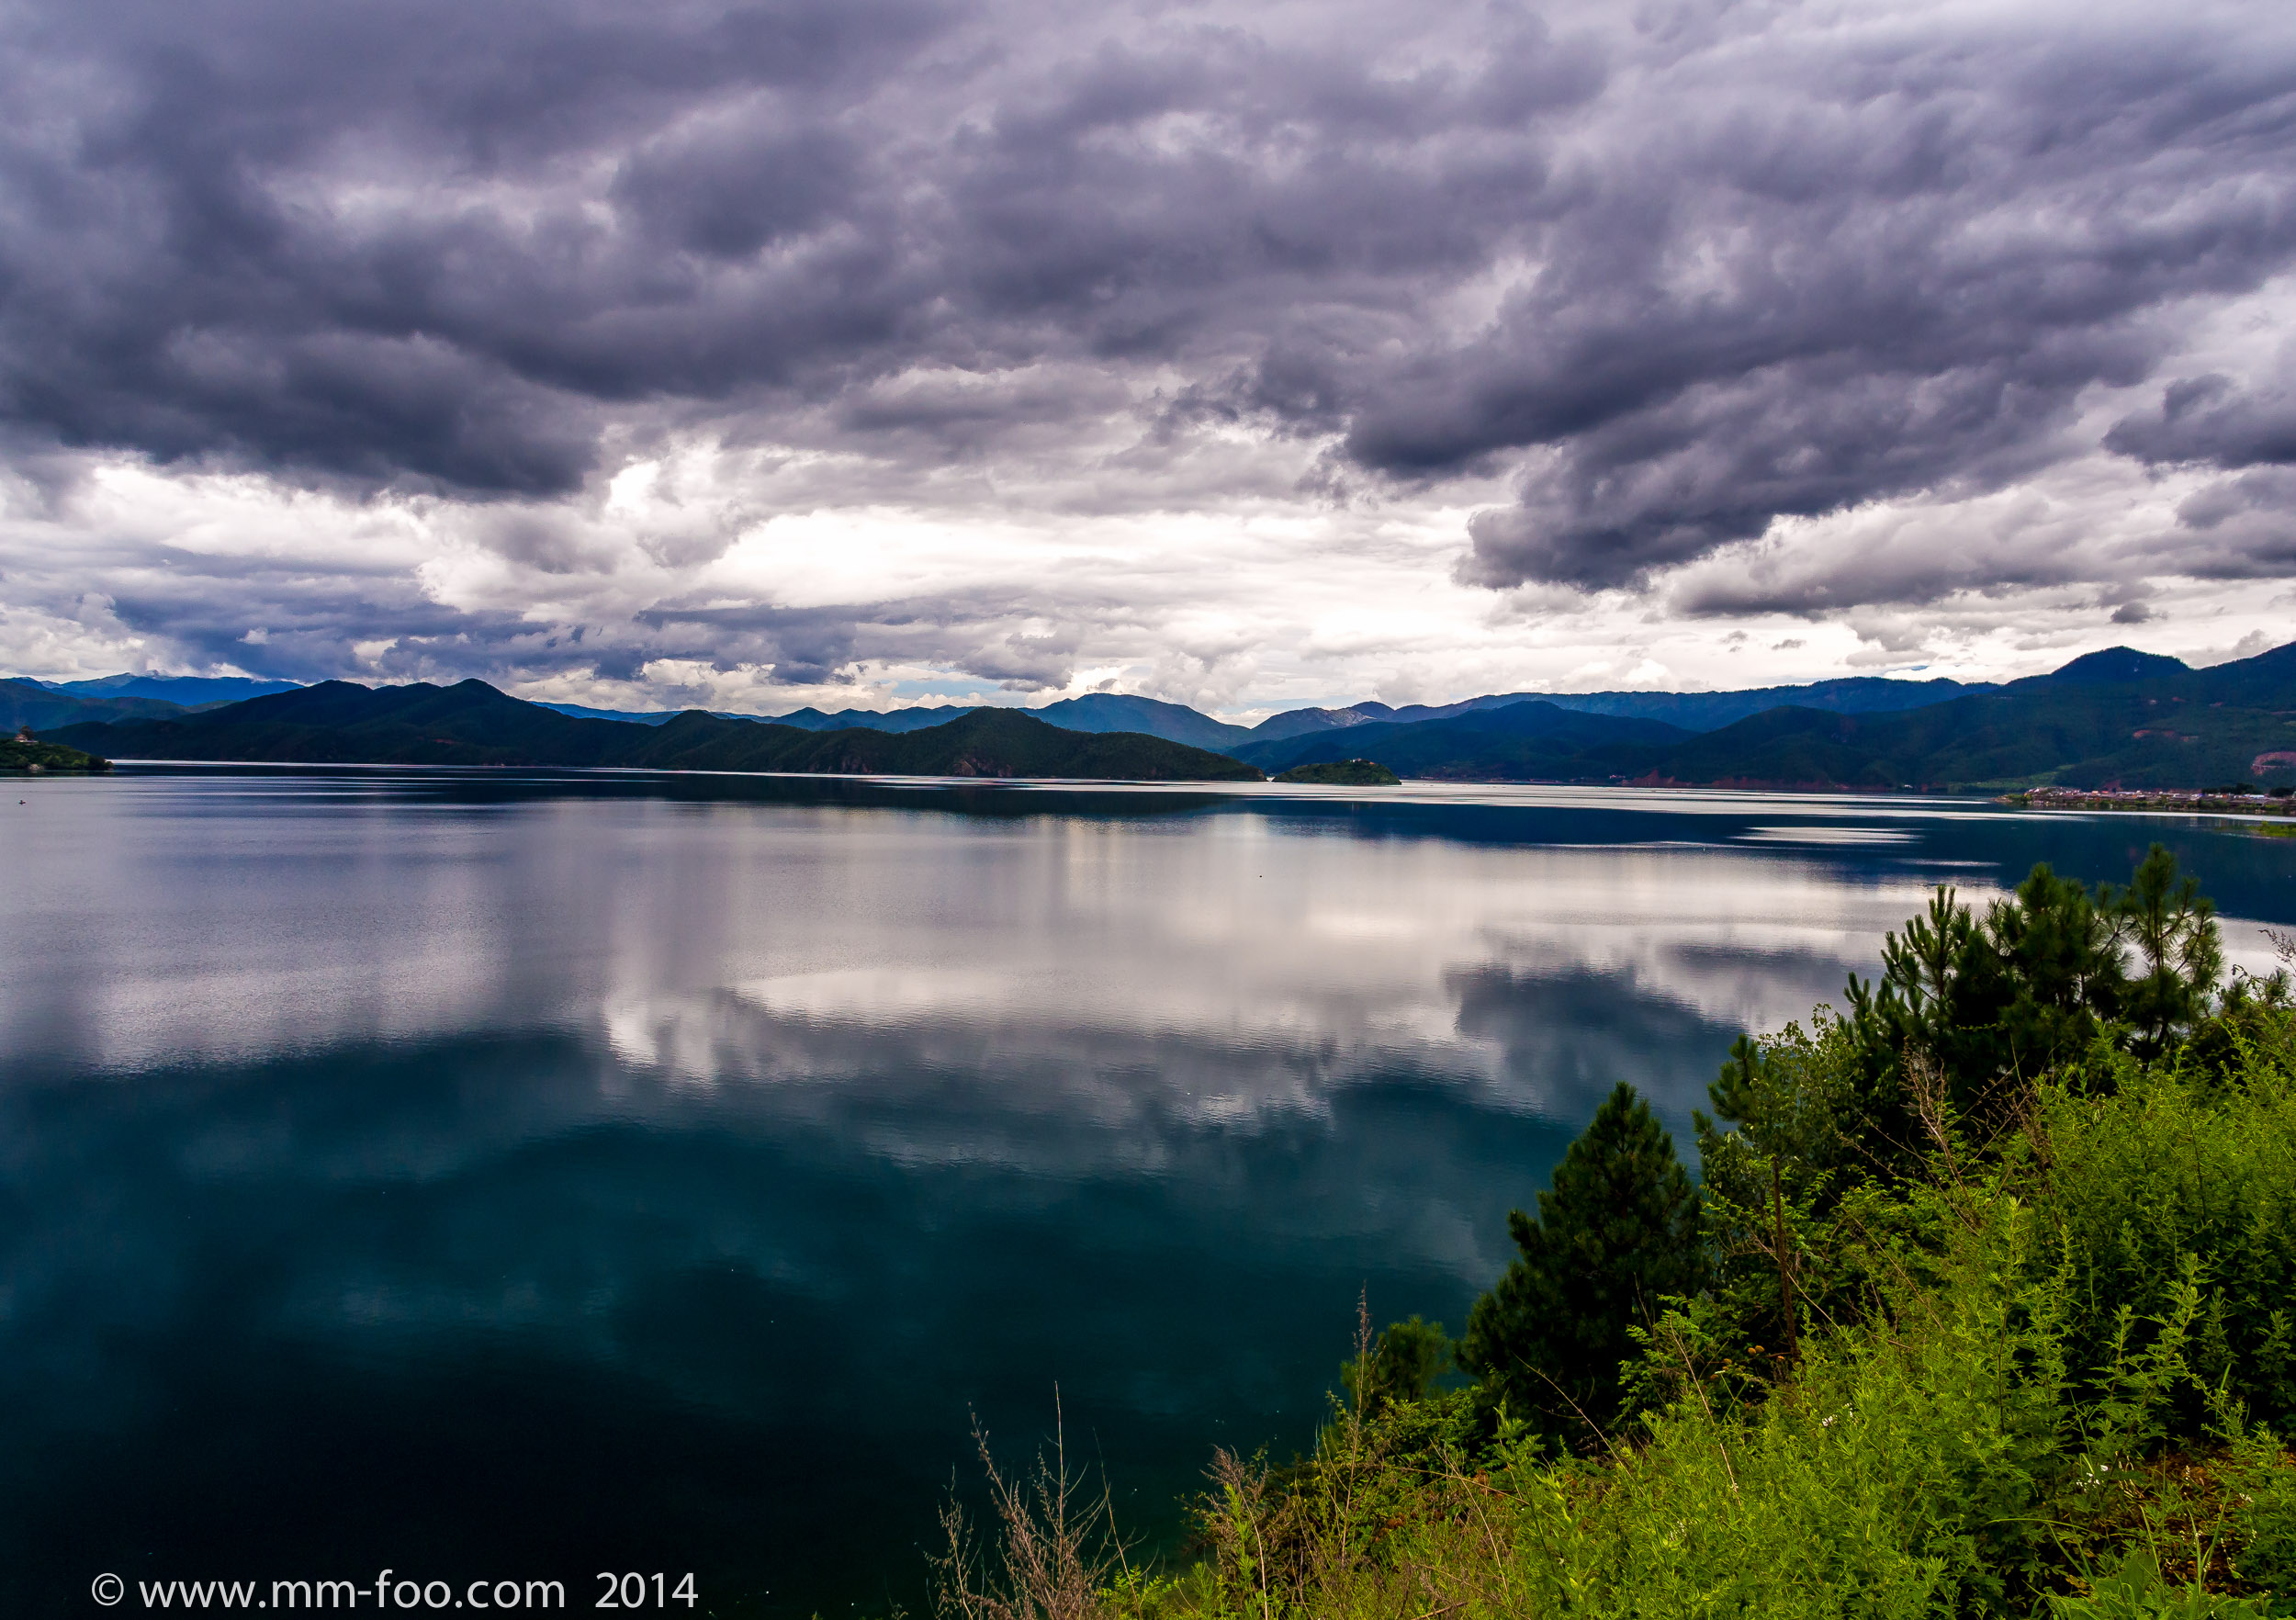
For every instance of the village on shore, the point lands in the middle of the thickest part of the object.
(2241, 801)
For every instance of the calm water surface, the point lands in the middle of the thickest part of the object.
(492, 1175)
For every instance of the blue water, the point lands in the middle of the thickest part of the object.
(492, 1175)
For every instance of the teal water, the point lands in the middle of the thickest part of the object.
(495, 1174)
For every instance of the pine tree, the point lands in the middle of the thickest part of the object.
(1988, 1006)
(2178, 954)
(1615, 1235)
(2060, 974)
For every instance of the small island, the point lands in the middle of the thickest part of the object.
(1342, 773)
(20, 756)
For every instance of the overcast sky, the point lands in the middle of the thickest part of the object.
(1248, 354)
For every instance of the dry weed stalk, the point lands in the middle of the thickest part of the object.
(1926, 1089)
(1240, 1531)
(1052, 1552)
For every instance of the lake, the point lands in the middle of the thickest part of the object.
(498, 1174)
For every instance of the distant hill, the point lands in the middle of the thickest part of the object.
(189, 691)
(1691, 710)
(897, 720)
(985, 742)
(2265, 682)
(1710, 711)
(628, 716)
(807, 719)
(636, 716)
(1095, 711)
(472, 723)
(1533, 740)
(2187, 730)
(1304, 722)
(27, 703)
(2116, 718)
(1108, 711)
(2112, 665)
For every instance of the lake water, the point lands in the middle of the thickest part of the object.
(495, 1174)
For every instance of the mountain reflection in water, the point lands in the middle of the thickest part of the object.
(497, 1174)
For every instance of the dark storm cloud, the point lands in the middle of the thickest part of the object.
(2242, 527)
(2209, 420)
(1687, 276)
(285, 626)
(1903, 285)
(2239, 526)
(344, 240)
(441, 246)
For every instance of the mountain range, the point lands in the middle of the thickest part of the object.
(338, 722)
(2112, 718)
(1108, 711)
(1099, 712)
(45, 704)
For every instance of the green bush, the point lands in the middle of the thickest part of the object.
(2177, 1165)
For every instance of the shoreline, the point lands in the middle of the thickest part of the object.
(2260, 804)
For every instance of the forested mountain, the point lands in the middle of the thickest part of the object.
(472, 723)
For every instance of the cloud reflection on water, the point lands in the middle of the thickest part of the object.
(170, 925)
